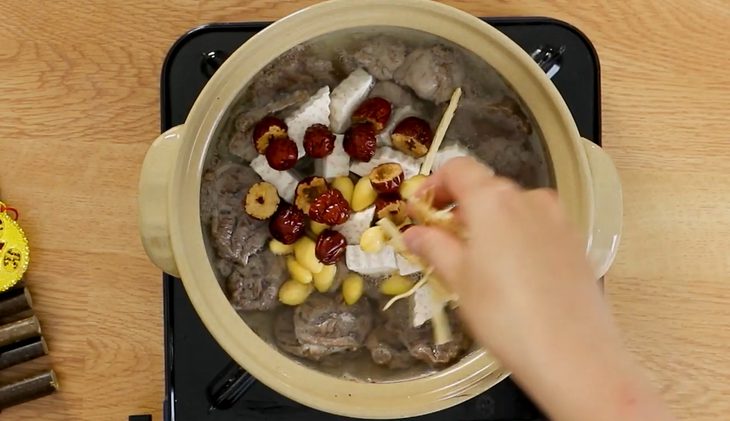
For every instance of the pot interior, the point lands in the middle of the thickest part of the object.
(411, 69)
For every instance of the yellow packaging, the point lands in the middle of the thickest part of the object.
(14, 250)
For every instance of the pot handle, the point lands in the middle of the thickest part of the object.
(154, 183)
(608, 211)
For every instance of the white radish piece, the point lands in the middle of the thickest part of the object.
(358, 223)
(335, 164)
(385, 155)
(346, 97)
(422, 309)
(315, 111)
(438, 137)
(406, 266)
(370, 263)
(284, 181)
(398, 115)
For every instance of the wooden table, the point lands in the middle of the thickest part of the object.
(79, 92)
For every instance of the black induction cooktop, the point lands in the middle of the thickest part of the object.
(201, 381)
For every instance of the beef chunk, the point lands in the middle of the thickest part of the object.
(386, 350)
(241, 144)
(507, 113)
(223, 189)
(381, 56)
(419, 340)
(298, 68)
(208, 197)
(323, 326)
(510, 158)
(328, 321)
(224, 268)
(478, 118)
(497, 131)
(287, 340)
(433, 73)
(234, 179)
(235, 235)
(255, 286)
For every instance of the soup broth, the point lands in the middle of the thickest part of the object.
(328, 81)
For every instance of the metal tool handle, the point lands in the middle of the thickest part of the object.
(228, 386)
(549, 58)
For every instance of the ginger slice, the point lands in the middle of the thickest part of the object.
(396, 238)
(425, 214)
(438, 137)
(440, 297)
(441, 292)
(440, 321)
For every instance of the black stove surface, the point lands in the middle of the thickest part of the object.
(194, 363)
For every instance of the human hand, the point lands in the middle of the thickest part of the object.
(522, 267)
(528, 294)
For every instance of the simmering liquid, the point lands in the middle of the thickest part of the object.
(490, 123)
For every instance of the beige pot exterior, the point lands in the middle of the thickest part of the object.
(172, 235)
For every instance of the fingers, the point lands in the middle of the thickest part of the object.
(438, 248)
(454, 181)
(547, 201)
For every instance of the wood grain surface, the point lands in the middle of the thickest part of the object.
(79, 101)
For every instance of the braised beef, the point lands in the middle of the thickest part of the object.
(255, 286)
(419, 340)
(433, 73)
(298, 68)
(208, 197)
(381, 56)
(223, 189)
(508, 114)
(503, 131)
(235, 235)
(328, 321)
(224, 267)
(386, 349)
(287, 340)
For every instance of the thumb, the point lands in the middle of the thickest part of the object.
(437, 248)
